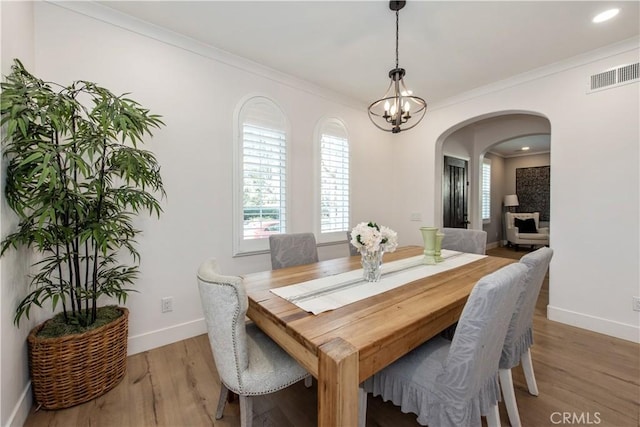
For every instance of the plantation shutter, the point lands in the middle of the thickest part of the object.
(486, 190)
(264, 170)
(334, 179)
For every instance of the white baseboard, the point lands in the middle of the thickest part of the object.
(493, 245)
(21, 411)
(596, 324)
(160, 337)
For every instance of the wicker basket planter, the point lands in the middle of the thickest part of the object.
(70, 370)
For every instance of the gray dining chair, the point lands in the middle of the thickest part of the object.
(519, 338)
(289, 250)
(454, 383)
(465, 240)
(352, 249)
(249, 363)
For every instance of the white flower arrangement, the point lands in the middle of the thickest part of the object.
(370, 237)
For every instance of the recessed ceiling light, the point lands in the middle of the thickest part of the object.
(606, 15)
(524, 148)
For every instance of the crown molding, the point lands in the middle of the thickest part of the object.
(605, 52)
(511, 156)
(113, 17)
(118, 19)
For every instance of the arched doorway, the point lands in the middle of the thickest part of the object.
(474, 141)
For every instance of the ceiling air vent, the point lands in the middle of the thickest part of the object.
(615, 77)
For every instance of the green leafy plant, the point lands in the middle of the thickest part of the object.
(76, 179)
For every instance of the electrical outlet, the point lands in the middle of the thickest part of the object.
(636, 303)
(167, 304)
(415, 216)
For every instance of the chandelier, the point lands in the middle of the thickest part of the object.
(398, 105)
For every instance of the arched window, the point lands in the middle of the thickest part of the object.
(333, 180)
(261, 174)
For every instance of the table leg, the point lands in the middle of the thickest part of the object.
(338, 384)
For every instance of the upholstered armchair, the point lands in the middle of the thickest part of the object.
(524, 229)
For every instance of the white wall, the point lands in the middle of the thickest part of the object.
(594, 168)
(196, 90)
(197, 95)
(15, 398)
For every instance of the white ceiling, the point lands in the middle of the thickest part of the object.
(513, 148)
(447, 47)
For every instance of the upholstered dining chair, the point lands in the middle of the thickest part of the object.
(465, 240)
(519, 338)
(352, 249)
(454, 383)
(249, 363)
(288, 250)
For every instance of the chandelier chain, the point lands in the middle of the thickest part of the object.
(397, 35)
(398, 109)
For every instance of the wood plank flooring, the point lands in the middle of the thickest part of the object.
(584, 378)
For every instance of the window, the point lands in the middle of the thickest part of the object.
(261, 184)
(486, 191)
(333, 180)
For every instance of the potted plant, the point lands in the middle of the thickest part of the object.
(76, 178)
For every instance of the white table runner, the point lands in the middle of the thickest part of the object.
(331, 292)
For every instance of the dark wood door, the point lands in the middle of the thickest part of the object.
(454, 193)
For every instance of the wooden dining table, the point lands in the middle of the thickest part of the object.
(343, 347)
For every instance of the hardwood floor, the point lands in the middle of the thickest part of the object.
(584, 378)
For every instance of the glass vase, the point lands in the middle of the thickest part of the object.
(371, 265)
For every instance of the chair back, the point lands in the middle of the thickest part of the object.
(288, 250)
(352, 249)
(471, 368)
(224, 303)
(465, 240)
(520, 333)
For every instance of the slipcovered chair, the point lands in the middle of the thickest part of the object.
(352, 249)
(517, 344)
(288, 250)
(465, 240)
(455, 383)
(529, 232)
(249, 363)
